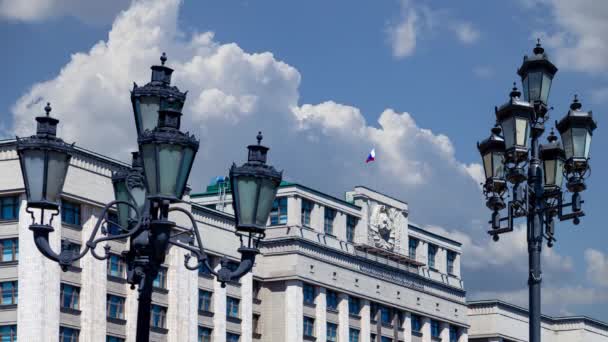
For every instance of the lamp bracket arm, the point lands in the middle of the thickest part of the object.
(495, 231)
(199, 250)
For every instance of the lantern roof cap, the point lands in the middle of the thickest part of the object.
(494, 143)
(514, 103)
(576, 118)
(47, 125)
(552, 150)
(539, 59)
(160, 84)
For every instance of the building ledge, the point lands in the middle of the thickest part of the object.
(70, 311)
(388, 254)
(8, 307)
(159, 330)
(118, 321)
(205, 313)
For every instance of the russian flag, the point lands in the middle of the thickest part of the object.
(371, 156)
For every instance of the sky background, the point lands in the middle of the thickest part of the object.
(327, 81)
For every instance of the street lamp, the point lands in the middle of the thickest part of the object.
(144, 194)
(535, 173)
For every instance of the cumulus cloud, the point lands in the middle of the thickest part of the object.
(92, 12)
(597, 267)
(466, 32)
(402, 35)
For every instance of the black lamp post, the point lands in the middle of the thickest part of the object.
(144, 193)
(533, 173)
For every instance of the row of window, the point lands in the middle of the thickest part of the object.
(205, 335)
(72, 335)
(205, 303)
(432, 253)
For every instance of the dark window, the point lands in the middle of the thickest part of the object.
(232, 307)
(353, 335)
(332, 332)
(204, 300)
(115, 307)
(401, 318)
(278, 214)
(70, 296)
(328, 221)
(453, 333)
(158, 316)
(67, 245)
(255, 323)
(386, 339)
(112, 224)
(203, 270)
(435, 330)
(412, 245)
(416, 323)
(432, 253)
(9, 248)
(331, 299)
(9, 208)
(114, 339)
(354, 305)
(70, 212)
(68, 334)
(373, 311)
(351, 223)
(8, 333)
(10, 292)
(116, 266)
(386, 316)
(204, 334)
(309, 294)
(306, 212)
(451, 258)
(309, 326)
(256, 289)
(161, 279)
(230, 337)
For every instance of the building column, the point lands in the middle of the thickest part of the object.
(445, 332)
(219, 310)
(182, 313)
(464, 335)
(343, 317)
(294, 211)
(38, 283)
(407, 326)
(365, 318)
(426, 329)
(294, 316)
(247, 307)
(340, 226)
(131, 313)
(93, 285)
(321, 314)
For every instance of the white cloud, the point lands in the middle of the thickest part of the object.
(94, 12)
(466, 32)
(402, 35)
(597, 267)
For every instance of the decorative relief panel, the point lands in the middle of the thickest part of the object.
(385, 225)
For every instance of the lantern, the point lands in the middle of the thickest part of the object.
(514, 117)
(129, 187)
(576, 130)
(552, 155)
(537, 74)
(492, 152)
(44, 162)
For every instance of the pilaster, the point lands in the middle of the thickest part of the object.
(321, 314)
(294, 321)
(247, 308)
(464, 335)
(365, 320)
(343, 317)
(407, 326)
(294, 210)
(182, 314)
(219, 310)
(445, 331)
(426, 329)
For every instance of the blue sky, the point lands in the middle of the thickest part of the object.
(327, 81)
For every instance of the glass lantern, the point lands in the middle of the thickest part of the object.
(576, 129)
(552, 155)
(492, 152)
(537, 74)
(515, 117)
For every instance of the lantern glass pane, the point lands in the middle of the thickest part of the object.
(559, 172)
(508, 127)
(524, 84)
(521, 133)
(247, 188)
(567, 141)
(550, 168)
(535, 80)
(184, 170)
(268, 192)
(498, 167)
(34, 167)
(487, 164)
(148, 108)
(169, 162)
(139, 194)
(148, 155)
(546, 87)
(120, 194)
(587, 144)
(579, 140)
(58, 168)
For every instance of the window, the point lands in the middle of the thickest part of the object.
(435, 331)
(373, 311)
(256, 287)
(9, 208)
(70, 213)
(453, 333)
(309, 294)
(412, 245)
(328, 221)
(332, 332)
(204, 300)
(158, 316)
(278, 214)
(331, 300)
(386, 316)
(432, 253)
(451, 258)
(309, 326)
(204, 334)
(386, 339)
(353, 335)
(255, 323)
(351, 223)
(114, 339)
(68, 334)
(232, 307)
(112, 224)
(230, 337)
(161, 279)
(116, 266)
(115, 307)
(306, 212)
(9, 248)
(203, 270)
(8, 333)
(70, 296)
(10, 292)
(416, 323)
(354, 306)
(67, 245)
(401, 318)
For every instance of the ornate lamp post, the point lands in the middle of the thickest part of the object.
(514, 162)
(144, 193)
